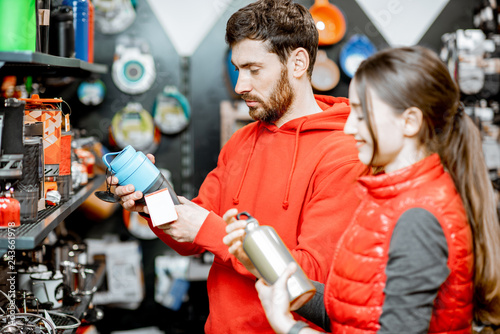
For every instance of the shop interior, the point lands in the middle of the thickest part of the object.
(156, 75)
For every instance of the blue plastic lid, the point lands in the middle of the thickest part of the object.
(132, 167)
(120, 160)
(354, 51)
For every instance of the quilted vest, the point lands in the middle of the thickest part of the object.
(354, 292)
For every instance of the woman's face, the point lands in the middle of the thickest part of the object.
(387, 126)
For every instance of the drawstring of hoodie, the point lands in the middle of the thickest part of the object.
(236, 198)
(285, 203)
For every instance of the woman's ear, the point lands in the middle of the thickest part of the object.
(299, 62)
(413, 119)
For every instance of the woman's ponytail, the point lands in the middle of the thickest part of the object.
(462, 154)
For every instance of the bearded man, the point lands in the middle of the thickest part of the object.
(293, 169)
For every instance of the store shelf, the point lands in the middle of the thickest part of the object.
(30, 235)
(26, 61)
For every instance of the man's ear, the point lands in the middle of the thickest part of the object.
(413, 120)
(299, 62)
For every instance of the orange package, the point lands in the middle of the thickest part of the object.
(47, 111)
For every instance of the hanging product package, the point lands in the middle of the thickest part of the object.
(330, 22)
(231, 74)
(354, 51)
(326, 74)
(91, 92)
(134, 69)
(113, 16)
(48, 112)
(134, 126)
(171, 112)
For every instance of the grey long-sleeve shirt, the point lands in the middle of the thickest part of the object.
(417, 267)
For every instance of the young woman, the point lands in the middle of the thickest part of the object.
(422, 253)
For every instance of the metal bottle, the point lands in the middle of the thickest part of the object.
(270, 257)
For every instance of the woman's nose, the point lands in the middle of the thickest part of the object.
(350, 127)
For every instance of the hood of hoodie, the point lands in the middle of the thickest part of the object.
(333, 117)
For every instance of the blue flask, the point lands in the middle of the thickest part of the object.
(133, 167)
(81, 27)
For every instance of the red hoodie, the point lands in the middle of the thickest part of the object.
(300, 179)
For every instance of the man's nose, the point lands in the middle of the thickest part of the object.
(242, 85)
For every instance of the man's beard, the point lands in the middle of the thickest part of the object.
(281, 98)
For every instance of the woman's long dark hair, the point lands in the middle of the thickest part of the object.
(416, 77)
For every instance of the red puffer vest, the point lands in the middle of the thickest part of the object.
(354, 290)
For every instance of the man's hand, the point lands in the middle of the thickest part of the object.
(187, 226)
(234, 239)
(127, 194)
(128, 197)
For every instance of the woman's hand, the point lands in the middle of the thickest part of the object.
(234, 239)
(276, 302)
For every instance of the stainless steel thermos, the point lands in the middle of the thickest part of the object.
(270, 257)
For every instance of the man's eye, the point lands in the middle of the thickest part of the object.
(254, 71)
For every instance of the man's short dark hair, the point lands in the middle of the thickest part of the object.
(285, 25)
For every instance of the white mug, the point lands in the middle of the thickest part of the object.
(23, 276)
(48, 286)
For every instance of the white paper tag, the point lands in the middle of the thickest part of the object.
(161, 207)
